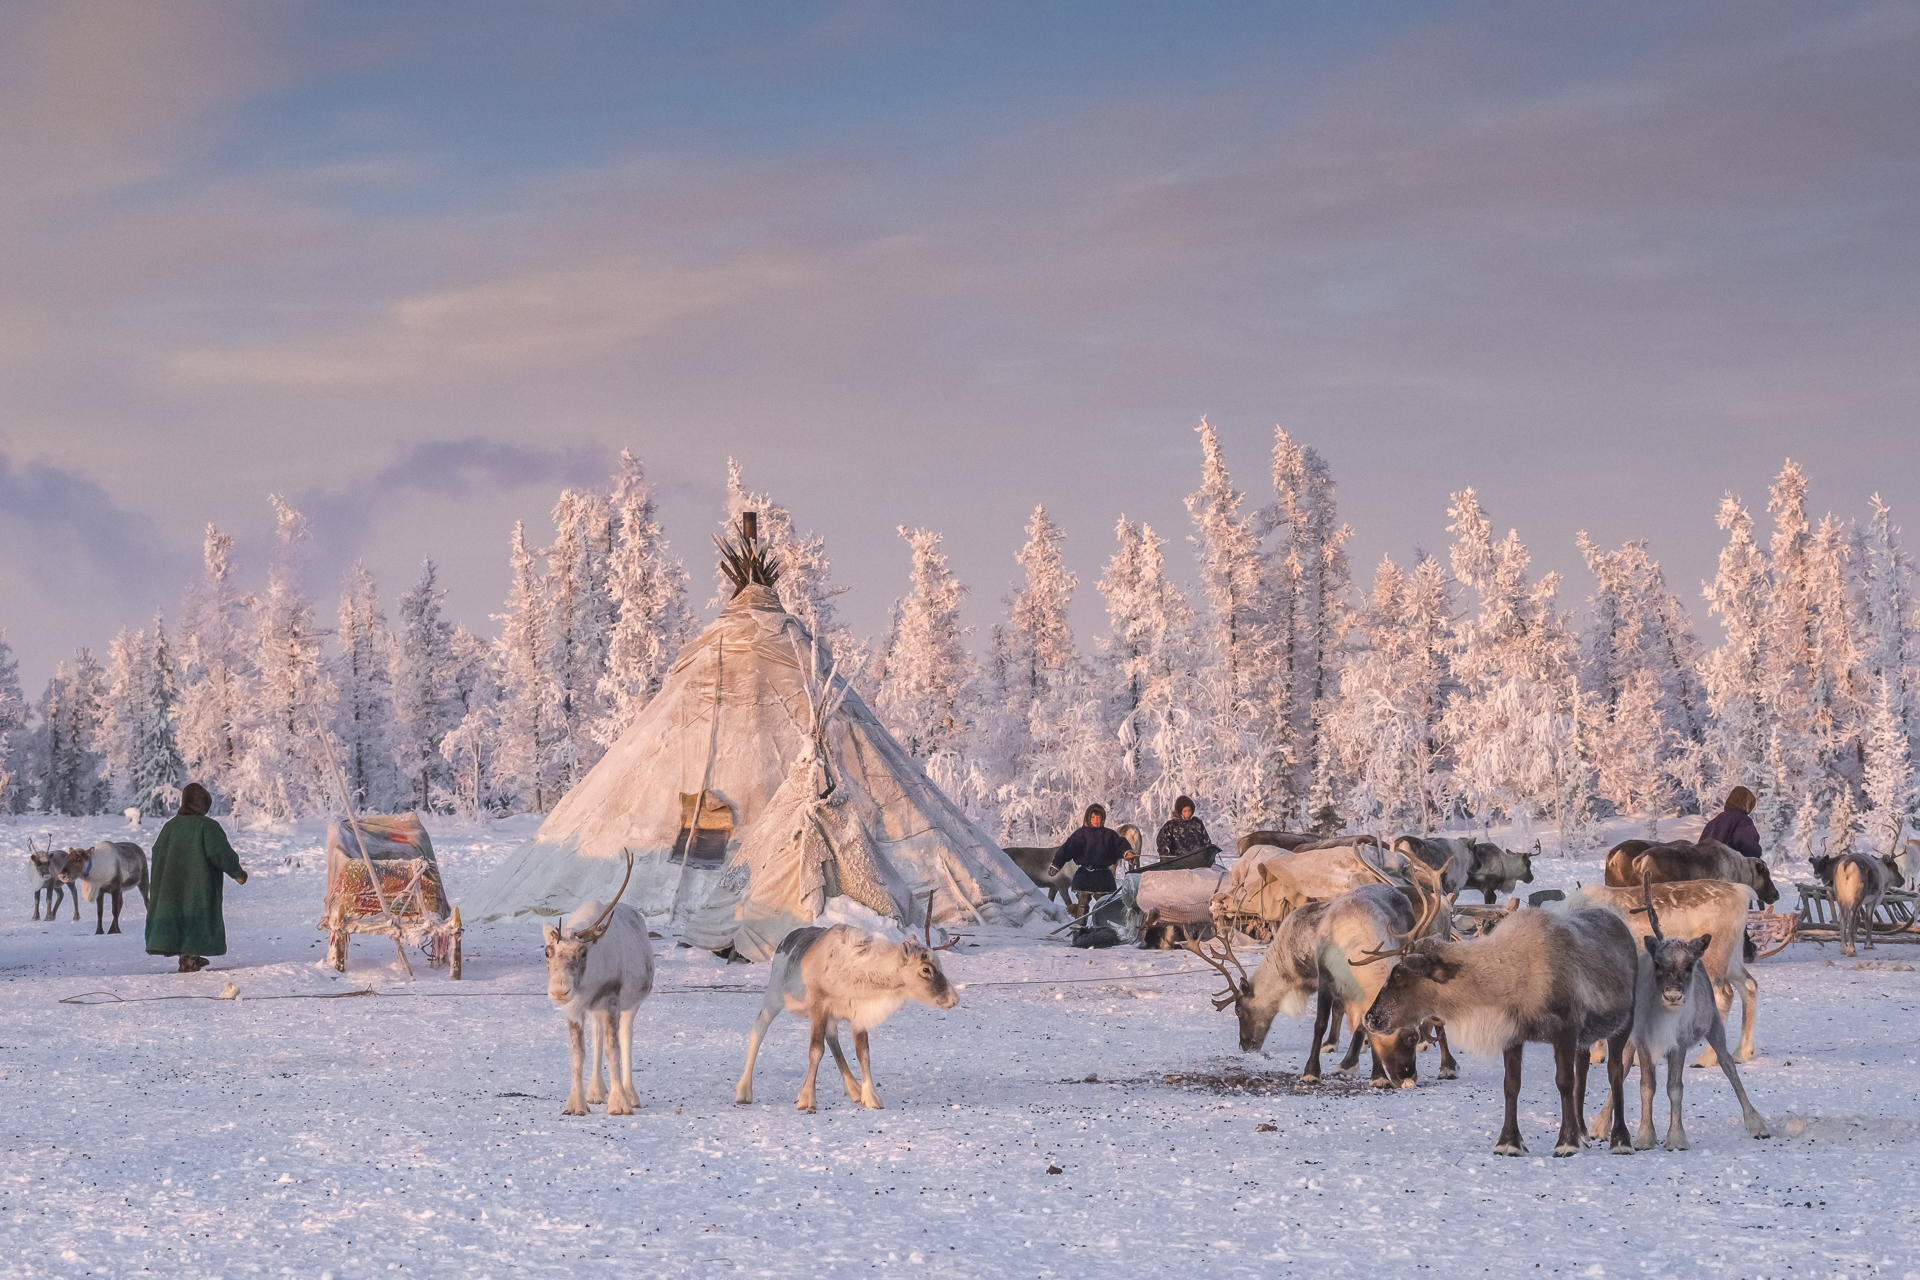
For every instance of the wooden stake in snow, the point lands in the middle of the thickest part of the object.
(373, 877)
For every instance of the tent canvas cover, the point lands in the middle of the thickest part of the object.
(753, 787)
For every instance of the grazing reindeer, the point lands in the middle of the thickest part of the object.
(604, 968)
(842, 974)
(1537, 979)
(110, 867)
(47, 866)
(1322, 950)
(1695, 907)
(1858, 883)
(1673, 1010)
(1679, 860)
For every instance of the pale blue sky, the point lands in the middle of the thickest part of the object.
(419, 265)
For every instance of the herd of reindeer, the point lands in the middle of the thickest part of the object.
(1642, 968)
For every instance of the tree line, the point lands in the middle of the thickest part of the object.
(1266, 686)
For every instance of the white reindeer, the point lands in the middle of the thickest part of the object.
(603, 969)
(843, 974)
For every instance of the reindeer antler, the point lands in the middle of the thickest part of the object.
(1426, 885)
(1235, 987)
(1646, 894)
(593, 931)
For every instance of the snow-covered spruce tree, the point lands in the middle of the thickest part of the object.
(1638, 661)
(421, 673)
(528, 714)
(157, 761)
(1839, 693)
(284, 772)
(364, 717)
(1510, 724)
(469, 748)
(1890, 627)
(1036, 680)
(13, 724)
(124, 713)
(1308, 586)
(217, 673)
(1738, 728)
(1386, 729)
(1889, 780)
(1233, 635)
(576, 626)
(67, 775)
(1150, 672)
(929, 683)
(647, 586)
(1787, 658)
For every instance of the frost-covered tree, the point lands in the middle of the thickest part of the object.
(1386, 731)
(1788, 657)
(1738, 731)
(284, 771)
(470, 748)
(157, 760)
(576, 626)
(1510, 724)
(217, 673)
(926, 684)
(806, 590)
(526, 731)
(1889, 772)
(1638, 664)
(13, 724)
(1233, 628)
(1889, 626)
(1036, 670)
(647, 589)
(421, 673)
(1307, 593)
(363, 676)
(125, 710)
(1149, 668)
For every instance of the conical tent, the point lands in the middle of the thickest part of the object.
(754, 786)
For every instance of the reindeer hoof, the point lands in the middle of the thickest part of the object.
(619, 1107)
(574, 1109)
(1408, 1083)
(1309, 1079)
(1510, 1149)
(1562, 1151)
(1620, 1147)
(1678, 1144)
(1759, 1130)
(1449, 1073)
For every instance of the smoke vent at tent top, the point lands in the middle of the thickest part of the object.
(746, 563)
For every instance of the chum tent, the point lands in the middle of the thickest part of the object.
(752, 788)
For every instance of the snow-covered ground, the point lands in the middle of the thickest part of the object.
(418, 1131)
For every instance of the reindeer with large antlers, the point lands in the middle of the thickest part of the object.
(1322, 950)
(603, 970)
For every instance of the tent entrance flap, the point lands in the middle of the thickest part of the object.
(706, 828)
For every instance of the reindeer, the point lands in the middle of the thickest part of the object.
(46, 866)
(1673, 1010)
(1321, 950)
(1858, 883)
(1694, 907)
(842, 974)
(1679, 860)
(604, 968)
(110, 867)
(1539, 978)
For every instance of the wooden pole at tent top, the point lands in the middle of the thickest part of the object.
(373, 876)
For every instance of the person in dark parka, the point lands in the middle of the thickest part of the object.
(1185, 834)
(1097, 849)
(1733, 825)
(190, 855)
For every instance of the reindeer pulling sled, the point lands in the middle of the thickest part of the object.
(382, 878)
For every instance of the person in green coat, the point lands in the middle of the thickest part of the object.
(189, 856)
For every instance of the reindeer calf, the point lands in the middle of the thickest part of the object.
(842, 974)
(1673, 1010)
(47, 868)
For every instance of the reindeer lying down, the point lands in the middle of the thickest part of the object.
(843, 974)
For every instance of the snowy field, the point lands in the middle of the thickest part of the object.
(418, 1131)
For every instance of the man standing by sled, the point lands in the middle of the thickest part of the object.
(1097, 849)
(190, 855)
